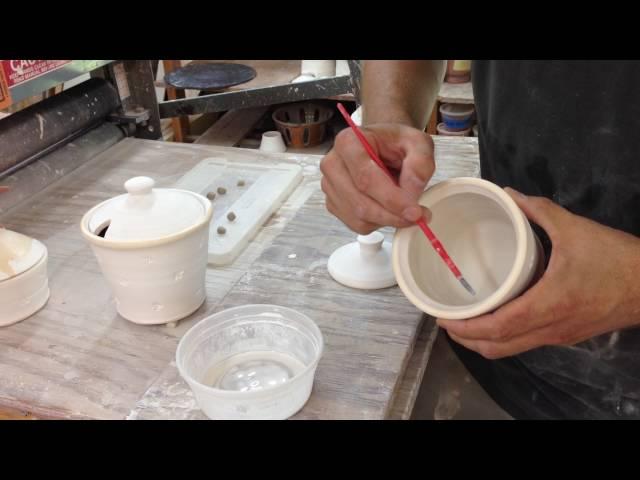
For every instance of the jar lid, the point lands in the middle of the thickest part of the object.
(457, 109)
(18, 253)
(147, 213)
(365, 264)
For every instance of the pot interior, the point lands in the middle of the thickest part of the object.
(478, 234)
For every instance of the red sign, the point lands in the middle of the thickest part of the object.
(20, 71)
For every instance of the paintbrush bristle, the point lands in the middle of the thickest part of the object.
(466, 285)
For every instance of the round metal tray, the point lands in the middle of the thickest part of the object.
(210, 76)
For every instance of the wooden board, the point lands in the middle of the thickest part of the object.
(77, 358)
(232, 127)
(407, 392)
(359, 379)
(368, 335)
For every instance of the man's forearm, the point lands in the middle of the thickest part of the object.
(400, 91)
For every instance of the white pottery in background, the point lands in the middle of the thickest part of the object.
(342, 68)
(356, 116)
(364, 264)
(154, 253)
(24, 287)
(303, 78)
(318, 68)
(486, 235)
(272, 142)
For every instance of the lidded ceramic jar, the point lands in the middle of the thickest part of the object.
(24, 287)
(487, 236)
(151, 244)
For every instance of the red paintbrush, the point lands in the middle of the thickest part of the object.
(421, 223)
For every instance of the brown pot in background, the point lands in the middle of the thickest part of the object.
(303, 124)
(458, 71)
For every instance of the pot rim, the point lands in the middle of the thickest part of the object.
(43, 257)
(38, 267)
(153, 242)
(437, 309)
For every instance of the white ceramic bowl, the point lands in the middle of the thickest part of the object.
(486, 235)
(159, 279)
(23, 295)
(251, 362)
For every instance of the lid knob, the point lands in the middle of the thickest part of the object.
(139, 185)
(370, 244)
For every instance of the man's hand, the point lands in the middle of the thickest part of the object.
(360, 194)
(591, 286)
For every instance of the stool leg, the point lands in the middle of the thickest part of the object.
(180, 124)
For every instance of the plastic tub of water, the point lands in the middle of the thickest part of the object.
(255, 362)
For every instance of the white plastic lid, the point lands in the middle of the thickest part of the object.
(365, 264)
(18, 253)
(457, 109)
(146, 213)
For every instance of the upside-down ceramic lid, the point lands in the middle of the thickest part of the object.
(18, 253)
(146, 213)
(364, 264)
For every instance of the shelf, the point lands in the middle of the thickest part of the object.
(271, 86)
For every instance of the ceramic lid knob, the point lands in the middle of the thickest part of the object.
(370, 244)
(365, 264)
(139, 185)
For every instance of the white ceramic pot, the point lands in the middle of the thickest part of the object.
(486, 235)
(342, 68)
(154, 252)
(272, 142)
(318, 68)
(356, 116)
(24, 287)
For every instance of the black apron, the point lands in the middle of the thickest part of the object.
(568, 131)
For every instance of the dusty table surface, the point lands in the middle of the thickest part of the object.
(77, 358)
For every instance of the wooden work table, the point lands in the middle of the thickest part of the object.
(77, 358)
